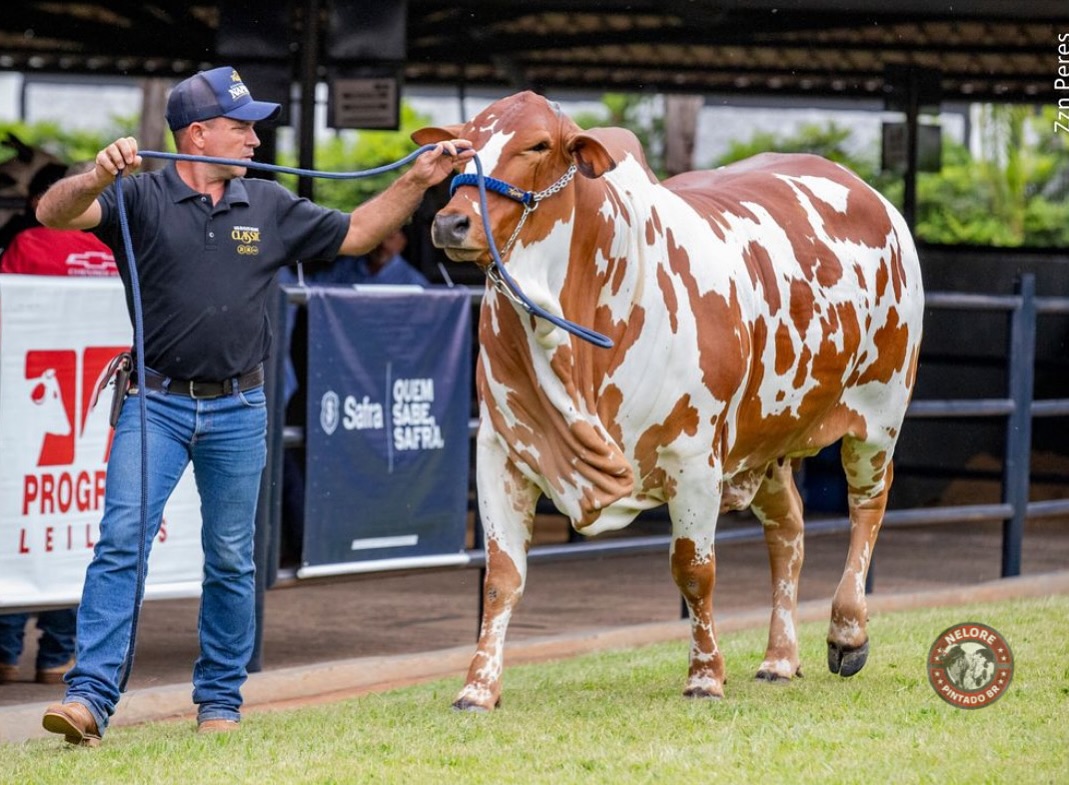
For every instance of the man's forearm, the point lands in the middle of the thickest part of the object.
(67, 201)
(376, 218)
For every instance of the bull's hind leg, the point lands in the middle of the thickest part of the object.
(779, 508)
(506, 504)
(868, 474)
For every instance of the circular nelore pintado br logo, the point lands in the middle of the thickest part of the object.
(970, 665)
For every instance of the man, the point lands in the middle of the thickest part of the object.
(382, 265)
(207, 243)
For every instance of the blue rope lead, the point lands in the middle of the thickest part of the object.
(139, 343)
(205, 159)
(479, 179)
(139, 326)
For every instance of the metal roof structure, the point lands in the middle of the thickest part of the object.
(976, 49)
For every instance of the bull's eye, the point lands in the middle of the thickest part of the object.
(541, 147)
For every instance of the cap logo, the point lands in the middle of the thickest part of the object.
(218, 92)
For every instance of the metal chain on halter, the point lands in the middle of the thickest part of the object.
(536, 197)
(558, 186)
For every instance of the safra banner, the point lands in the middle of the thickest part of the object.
(56, 338)
(389, 403)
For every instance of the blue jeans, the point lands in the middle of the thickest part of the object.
(56, 645)
(225, 438)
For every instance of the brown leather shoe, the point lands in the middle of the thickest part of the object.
(218, 726)
(74, 721)
(9, 673)
(54, 675)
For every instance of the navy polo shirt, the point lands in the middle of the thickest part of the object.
(206, 270)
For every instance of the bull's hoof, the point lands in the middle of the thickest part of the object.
(467, 704)
(703, 693)
(847, 660)
(772, 677)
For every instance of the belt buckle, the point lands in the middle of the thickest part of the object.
(192, 390)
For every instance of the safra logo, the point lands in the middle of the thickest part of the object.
(329, 414)
(350, 413)
(970, 665)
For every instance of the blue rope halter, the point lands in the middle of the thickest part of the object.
(498, 273)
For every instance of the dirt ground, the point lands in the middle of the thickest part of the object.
(314, 623)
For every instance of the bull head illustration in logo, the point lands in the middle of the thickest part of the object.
(51, 415)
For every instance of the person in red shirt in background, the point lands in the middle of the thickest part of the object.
(39, 250)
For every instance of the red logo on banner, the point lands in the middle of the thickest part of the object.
(58, 408)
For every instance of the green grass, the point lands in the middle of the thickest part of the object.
(619, 717)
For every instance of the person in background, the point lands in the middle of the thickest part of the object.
(384, 264)
(55, 647)
(38, 250)
(208, 244)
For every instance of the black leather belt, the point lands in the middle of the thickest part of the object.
(192, 388)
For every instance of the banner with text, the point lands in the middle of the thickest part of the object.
(56, 339)
(389, 401)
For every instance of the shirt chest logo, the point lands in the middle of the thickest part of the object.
(247, 239)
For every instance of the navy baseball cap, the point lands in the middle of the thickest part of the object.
(215, 93)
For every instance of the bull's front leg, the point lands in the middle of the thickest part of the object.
(506, 504)
(694, 515)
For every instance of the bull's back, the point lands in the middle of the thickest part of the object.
(774, 181)
(832, 300)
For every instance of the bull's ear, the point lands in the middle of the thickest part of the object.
(589, 154)
(434, 135)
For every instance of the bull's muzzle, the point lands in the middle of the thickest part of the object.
(450, 230)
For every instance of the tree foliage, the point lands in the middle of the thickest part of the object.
(1014, 192)
(642, 114)
(830, 140)
(353, 152)
(66, 145)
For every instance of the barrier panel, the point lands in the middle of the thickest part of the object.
(1017, 407)
(56, 337)
(387, 444)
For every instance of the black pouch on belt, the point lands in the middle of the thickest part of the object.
(120, 368)
(123, 369)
